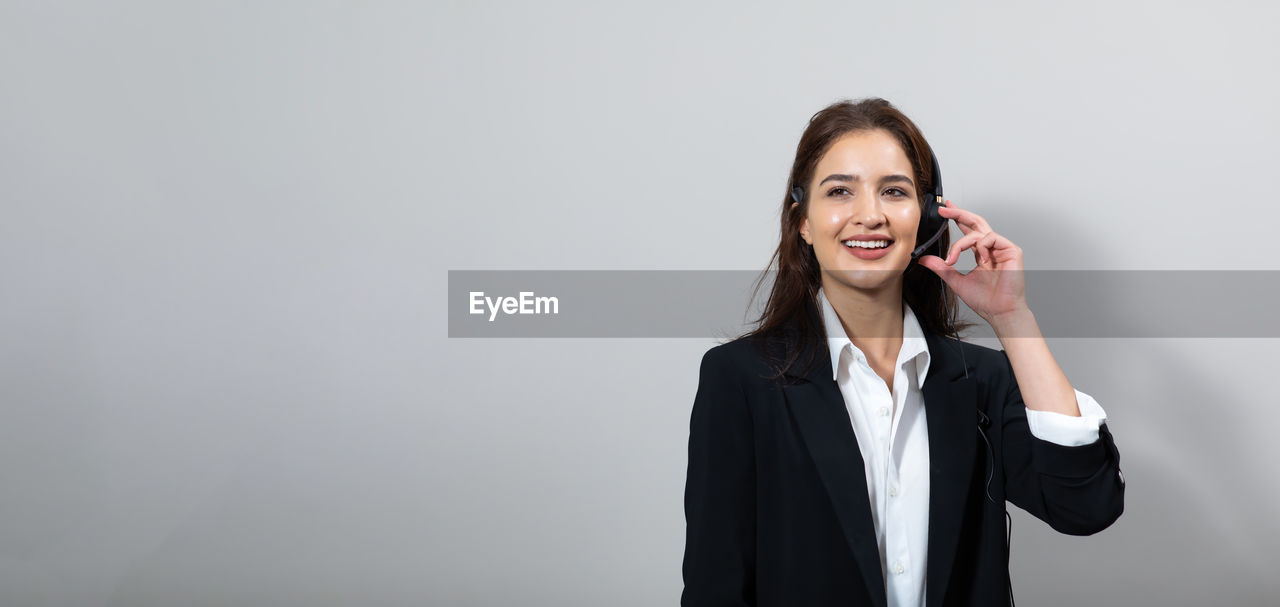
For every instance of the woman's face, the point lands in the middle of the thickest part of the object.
(863, 187)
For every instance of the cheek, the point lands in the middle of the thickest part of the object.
(908, 218)
(831, 220)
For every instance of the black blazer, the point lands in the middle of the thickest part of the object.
(776, 501)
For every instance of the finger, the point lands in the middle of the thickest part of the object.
(986, 246)
(958, 247)
(1004, 243)
(1005, 250)
(943, 210)
(964, 219)
(941, 268)
(967, 220)
(966, 241)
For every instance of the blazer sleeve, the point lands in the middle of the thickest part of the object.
(1077, 490)
(719, 498)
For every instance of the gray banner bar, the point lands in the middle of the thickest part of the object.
(716, 303)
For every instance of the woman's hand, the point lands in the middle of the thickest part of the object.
(995, 289)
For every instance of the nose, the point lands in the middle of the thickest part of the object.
(870, 211)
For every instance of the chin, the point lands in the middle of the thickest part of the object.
(868, 278)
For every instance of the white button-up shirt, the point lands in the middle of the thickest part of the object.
(894, 441)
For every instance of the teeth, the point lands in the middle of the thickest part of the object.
(867, 244)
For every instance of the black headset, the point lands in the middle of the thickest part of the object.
(931, 222)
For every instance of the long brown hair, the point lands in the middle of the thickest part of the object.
(790, 321)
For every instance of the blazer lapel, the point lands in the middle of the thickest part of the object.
(950, 405)
(819, 410)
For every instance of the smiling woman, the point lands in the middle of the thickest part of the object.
(870, 160)
(872, 217)
(834, 453)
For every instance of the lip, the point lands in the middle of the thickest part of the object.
(870, 254)
(869, 237)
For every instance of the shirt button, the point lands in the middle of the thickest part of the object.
(893, 491)
(884, 411)
(898, 568)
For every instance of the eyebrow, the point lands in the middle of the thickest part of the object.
(885, 179)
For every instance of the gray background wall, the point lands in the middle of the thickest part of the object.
(225, 376)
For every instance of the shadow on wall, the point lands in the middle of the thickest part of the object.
(1194, 426)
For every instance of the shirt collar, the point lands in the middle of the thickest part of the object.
(914, 347)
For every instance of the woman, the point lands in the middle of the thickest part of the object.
(851, 450)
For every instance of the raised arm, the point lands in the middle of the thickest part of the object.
(1077, 490)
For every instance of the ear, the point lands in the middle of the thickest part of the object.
(804, 226)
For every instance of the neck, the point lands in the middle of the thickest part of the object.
(871, 319)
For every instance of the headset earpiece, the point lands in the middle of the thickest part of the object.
(797, 194)
(932, 224)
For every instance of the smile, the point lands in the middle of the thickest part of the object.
(868, 249)
(867, 244)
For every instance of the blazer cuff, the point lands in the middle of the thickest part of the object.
(1068, 430)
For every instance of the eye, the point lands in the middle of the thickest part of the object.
(898, 191)
(832, 191)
